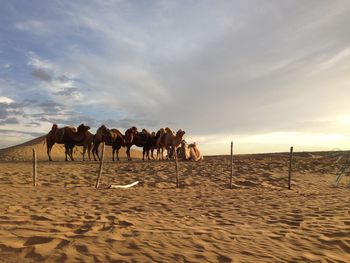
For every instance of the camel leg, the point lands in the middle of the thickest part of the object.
(49, 146)
(128, 152)
(70, 152)
(152, 155)
(113, 152)
(95, 151)
(162, 153)
(118, 154)
(49, 152)
(143, 153)
(89, 151)
(66, 152)
(84, 151)
(50, 159)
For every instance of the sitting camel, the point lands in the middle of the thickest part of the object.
(69, 136)
(111, 137)
(171, 141)
(190, 152)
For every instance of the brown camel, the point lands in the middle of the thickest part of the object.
(69, 136)
(171, 141)
(142, 139)
(159, 143)
(111, 137)
(87, 145)
(149, 145)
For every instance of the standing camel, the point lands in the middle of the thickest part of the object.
(69, 136)
(159, 143)
(140, 139)
(150, 144)
(171, 141)
(111, 137)
(87, 145)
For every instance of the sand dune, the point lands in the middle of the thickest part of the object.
(64, 219)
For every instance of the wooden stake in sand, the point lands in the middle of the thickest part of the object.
(176, 169)
(101, 166)
(290, 168)
(34, 167)
(231, 177)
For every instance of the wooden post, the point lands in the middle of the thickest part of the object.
(290, 168)
(101, 166)
(231, 177)
(176, 169)
(34, 167)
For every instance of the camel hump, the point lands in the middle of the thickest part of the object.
(146, 131)
(167, 129)
(159, 133)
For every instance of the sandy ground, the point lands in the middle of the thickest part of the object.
(64, 219)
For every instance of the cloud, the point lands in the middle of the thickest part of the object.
(55, 81)
(11, 120)
(51, 106)
(42, 75)
(220, 70)
(33, 26)
(5, 100)
(127, 123)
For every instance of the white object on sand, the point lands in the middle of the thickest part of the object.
(123, 186)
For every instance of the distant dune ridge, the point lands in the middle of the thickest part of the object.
(24, 151)
(65, 219)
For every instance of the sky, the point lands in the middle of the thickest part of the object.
(264, 74)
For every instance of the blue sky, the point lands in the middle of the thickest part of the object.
(267, 74)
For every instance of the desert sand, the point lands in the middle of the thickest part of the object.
(65, 219)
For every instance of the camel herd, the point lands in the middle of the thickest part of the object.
(163, 139)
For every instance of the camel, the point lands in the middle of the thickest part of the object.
(171, 141)
(111, 137)
(69, 136)
(190, 152)
(150, 144)
(87, 145)
(159, 143)
(142, 139)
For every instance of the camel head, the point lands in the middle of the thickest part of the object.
(180, 133)
(130, 134)
(178, 137)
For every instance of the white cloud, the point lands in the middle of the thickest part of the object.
(35, 61)
(341, 56)
(215, 70)
(6, 100)
(33, 26)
